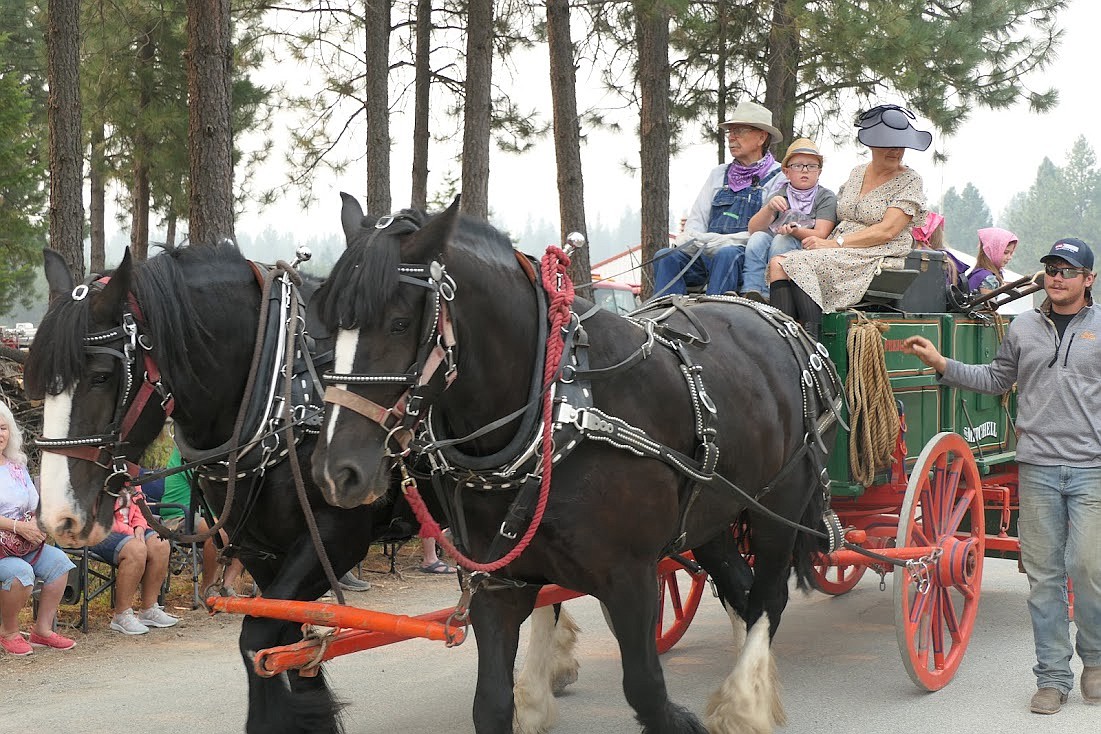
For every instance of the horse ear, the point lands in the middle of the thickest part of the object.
(108, 304)
(432, 239)
(58, 276)
(351, 217)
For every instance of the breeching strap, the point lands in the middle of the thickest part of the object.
(557, 283)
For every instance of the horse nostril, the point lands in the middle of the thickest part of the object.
(347, 479)
(67, 525)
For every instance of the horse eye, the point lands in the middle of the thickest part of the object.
(100, 378)
(399, 326)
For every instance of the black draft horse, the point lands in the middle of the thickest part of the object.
(611, 515)
(197, 309)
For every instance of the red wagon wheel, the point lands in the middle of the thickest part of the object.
(837, 580)
(676, 605)
(936, 602)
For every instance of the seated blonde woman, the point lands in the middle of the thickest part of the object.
(877, 207)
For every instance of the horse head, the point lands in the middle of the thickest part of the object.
(386, 300)
(90, 363)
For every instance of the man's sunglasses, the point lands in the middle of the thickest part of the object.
(1067, 273)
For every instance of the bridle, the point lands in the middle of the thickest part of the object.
(110, 450)
(436, 349)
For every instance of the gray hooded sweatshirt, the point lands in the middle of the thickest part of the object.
(1058, 386)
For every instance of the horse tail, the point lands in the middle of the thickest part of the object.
(807, 546)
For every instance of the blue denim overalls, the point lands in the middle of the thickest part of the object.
(720, 271)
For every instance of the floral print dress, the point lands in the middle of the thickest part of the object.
(838, 278)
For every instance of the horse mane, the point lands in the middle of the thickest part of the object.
(365, 278)
(56, 361)
(184, 346)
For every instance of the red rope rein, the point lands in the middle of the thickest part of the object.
(560, 289)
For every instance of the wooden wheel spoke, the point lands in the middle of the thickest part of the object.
(950, 616)
(955, 518)
(674, 597)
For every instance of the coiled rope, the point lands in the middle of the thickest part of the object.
(873, 416)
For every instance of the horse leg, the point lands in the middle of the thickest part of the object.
(749, 699)
(632, 609)
(287, 703)
(496, 616)
(732, 577)
(549, 667)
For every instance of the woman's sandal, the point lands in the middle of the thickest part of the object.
(439, 567)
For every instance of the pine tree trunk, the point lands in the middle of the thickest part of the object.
(63, 112)
(783, 68)
(98, 205)
(477, 108)
(654, 130)
(567, 136)
(722, 57)
(209, 131)
(422, 86)
(170, 226)
(377, 56)
(139, 207)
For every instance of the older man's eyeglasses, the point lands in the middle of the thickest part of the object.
(739, 132)
(812, 167)
(1067, 272)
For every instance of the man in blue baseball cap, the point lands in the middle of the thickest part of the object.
(1053, 354)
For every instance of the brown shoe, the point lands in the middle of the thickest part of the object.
(755, 296)
(1091, 684)
(1048, 701)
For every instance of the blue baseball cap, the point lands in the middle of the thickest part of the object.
(1073, 250)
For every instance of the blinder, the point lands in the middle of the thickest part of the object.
(436, 348)
(111, 450)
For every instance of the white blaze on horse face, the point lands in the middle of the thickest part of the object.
(58, 501)
(344, 359)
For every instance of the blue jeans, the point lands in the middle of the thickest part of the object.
(1060, 533)
(762, 247)
(721, 271)
(49, 564)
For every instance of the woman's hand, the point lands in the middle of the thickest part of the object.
(778, 204)
(818, 243)
(29, 530)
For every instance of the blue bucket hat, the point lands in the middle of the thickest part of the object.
(1073, 250)
(888, 126)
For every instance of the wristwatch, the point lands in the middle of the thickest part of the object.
(840, 240)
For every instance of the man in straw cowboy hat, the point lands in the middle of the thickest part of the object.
(720, 216)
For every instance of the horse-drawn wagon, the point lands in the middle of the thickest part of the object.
(925, 514)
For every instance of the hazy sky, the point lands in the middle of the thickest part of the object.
(998, 151)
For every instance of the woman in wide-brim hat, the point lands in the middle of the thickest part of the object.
(877, 207)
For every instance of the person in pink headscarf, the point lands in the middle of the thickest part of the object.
(930, 236)
(996, 247)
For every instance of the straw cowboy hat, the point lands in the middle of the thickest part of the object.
(804, 146)
(754, 115)
(888, 126)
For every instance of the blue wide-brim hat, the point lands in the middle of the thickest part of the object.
(888, 126)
